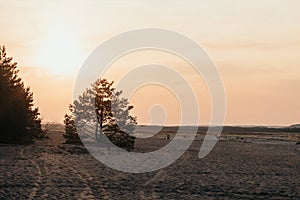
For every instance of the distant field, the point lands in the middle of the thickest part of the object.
(228, 133)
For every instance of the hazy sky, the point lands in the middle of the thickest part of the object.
(254, 43)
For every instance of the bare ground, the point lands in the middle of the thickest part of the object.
(237, 168)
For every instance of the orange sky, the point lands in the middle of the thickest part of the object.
(254, 43)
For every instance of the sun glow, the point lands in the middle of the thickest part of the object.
(59, 51)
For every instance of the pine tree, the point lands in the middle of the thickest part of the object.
(112, 116)
(19, 120)
(71, 134)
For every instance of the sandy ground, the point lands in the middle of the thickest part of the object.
(237, 168)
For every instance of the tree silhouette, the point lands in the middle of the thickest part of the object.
(71, 134)
(19, 120)
(102, 108)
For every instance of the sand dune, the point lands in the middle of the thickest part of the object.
(241, 166)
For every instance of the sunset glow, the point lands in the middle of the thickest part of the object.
(52, 55)
(254, 44)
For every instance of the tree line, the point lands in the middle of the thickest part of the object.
(20, 120)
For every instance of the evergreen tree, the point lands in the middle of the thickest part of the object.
(102, 107)
(71, 134)
(19, 120)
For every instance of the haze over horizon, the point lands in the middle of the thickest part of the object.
(254, 44)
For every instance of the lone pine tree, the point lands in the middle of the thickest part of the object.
(71, 134)
(19, 120)
(103, 108)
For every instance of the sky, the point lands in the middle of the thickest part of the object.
(255, 45)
